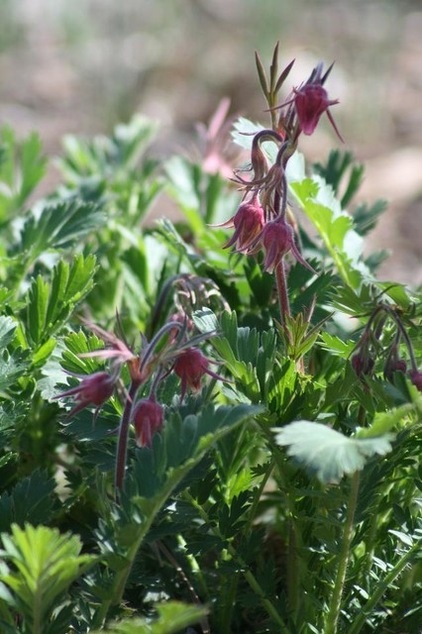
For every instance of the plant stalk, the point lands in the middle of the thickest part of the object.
(343, 559)
(121, 455)
(282, 292)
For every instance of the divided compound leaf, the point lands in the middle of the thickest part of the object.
(327, 453)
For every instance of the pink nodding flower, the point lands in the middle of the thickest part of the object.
(94, 389)
(190, 366)
(311, 101)
(248, 223)
(278, 239)
(148, 418)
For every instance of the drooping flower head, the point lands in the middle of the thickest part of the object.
(311, 101)
(94, 389)
(278, 239)
(362, 363)
(191, 365)
(248, 223)
(148, 418)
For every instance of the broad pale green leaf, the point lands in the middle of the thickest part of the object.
(327, 453)
(335, 228)
(243, 132)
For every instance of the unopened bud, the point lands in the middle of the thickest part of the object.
(148, 417)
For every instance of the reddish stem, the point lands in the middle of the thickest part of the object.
(283, 296)
(121, 455)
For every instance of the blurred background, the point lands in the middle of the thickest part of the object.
(82, 66)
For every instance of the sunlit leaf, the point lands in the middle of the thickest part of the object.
(172, 618)
(327, 453)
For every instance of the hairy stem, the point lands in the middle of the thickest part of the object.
(343, 559)
(282, 291)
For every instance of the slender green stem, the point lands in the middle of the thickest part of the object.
(228, 603)
(382, 586)
(257, 497)
(293, 561)
(343, 559)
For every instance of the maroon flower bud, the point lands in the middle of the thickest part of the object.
(278, 239)
(416, 378)
(362, 364)
(190, 366)
(394, 365)
(148, 418)
(94, 389)
(247, 222)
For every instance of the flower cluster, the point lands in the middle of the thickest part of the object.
(173, 348)
(263, 219)
(381, 340)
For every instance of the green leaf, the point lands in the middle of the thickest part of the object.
(173, 617)
(50, 305)
(78, 343)
(335, 228)
(12, 367)
(31, 500)
(336, 346)
(334, 173)
(59, 226)
(184, 441)
(7, 330)
(204, 198)
(106, 157)
(33, 166)
(44, 564)
(21, 168)
(327, 453)
(384, 422)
